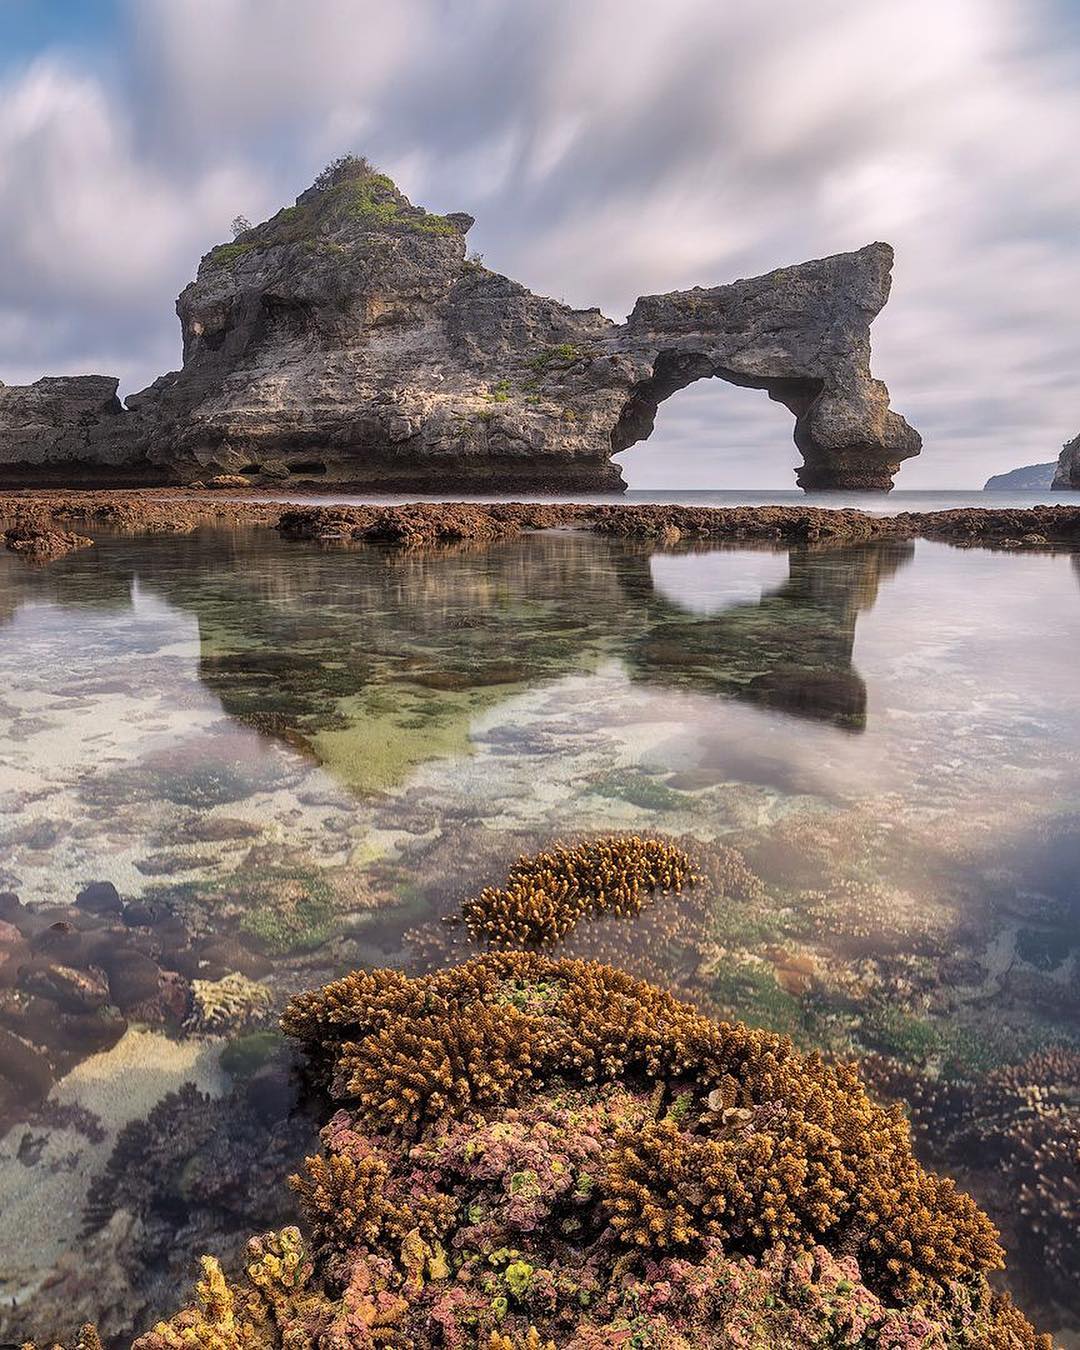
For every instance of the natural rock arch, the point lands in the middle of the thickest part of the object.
(672, 373)
(802, 334)
(350, 331)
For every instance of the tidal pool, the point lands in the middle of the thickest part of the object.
(278, 762)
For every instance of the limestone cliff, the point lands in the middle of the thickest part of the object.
(350, 341)
(1067, 477)
(65, 427)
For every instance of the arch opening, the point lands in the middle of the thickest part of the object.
(710, 433)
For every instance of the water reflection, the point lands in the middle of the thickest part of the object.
(789, 650)
(290, 761)
(307, 647)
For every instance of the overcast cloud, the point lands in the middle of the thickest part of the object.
(608, 148)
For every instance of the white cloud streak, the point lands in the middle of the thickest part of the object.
(608, 149)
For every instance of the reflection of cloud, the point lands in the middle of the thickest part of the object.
(608, 150)
(89, 714)
(709, 583)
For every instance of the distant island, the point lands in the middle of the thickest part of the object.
(1031, 478)
(351, 341)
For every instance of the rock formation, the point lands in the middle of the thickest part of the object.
(349, 340)
(66, 428)
(1067, 477)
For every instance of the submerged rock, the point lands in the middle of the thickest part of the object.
(100, 897)
(350, 340)
(41, 544)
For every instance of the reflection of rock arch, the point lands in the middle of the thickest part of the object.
(791, 650)
(304, 645)
(707, 584)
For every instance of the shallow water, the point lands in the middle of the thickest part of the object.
(291, 761)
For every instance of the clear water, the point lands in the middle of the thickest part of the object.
(291, 761)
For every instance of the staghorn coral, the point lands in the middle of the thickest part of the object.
(868, 918)
(348, 1197)
(579, 1160)
(530, 1341)
(1017, 1132)
(669, 944)
(805, 1157)
(529, 1260)
(435, 1067)
(547, 895)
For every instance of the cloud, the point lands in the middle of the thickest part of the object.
(608, 150)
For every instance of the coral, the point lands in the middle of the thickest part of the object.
(546, 896)
(868, 917)
(180, 1124)
(533, 1153)
(530, 1341)
(87, 1339)
(437, 1066)
(798, 1153)
(669, 944)
(1017, 1131)
(225, 1004)
(347, 1197)
(200, 1169)
(273, 1300)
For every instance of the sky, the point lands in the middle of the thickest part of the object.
(608, 149)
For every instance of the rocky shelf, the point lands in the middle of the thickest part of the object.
(350, 340)
(433, 524)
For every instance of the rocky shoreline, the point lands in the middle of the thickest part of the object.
(434, 524)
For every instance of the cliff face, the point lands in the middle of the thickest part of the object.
(1067, 476)
(348, 340)
(64, 429)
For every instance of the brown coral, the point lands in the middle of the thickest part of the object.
(796, 1152)
(1018, 1132)
(589, 1156)
(547, 895)
(530, 1341)
(350, 1200)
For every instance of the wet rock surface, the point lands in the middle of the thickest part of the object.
(41, 544)
(434, 524)
(73, 977)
